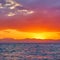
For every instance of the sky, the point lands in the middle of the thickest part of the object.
(21, 19)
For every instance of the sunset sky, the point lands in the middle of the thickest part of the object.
(21, 19)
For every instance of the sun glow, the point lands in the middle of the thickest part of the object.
(47, 35)
(15, 34)
(39, 36)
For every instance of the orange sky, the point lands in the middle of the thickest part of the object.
(30, 27)
(30, 20)
(15, 34)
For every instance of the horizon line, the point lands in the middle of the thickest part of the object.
(10, 40)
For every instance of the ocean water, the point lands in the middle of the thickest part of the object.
(29, 51)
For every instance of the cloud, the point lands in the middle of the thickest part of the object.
(11, 6)
(1, 6)
(11, 14)
(26, 12)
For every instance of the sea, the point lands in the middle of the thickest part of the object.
(29, 51)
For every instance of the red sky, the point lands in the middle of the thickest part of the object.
(32, 19)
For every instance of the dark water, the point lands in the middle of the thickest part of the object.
(29, 51)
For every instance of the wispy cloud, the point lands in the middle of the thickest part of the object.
(12, 10)
(11, 14)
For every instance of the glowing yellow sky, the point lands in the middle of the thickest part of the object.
(11, 33)
(30, 19)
